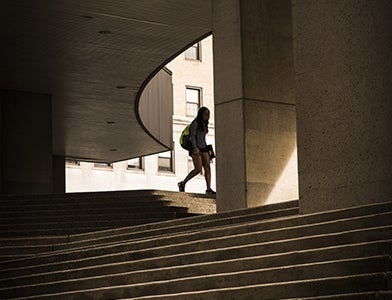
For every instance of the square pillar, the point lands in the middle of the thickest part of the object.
(254, 103)
(58, 174)
(26, 143)
(343, 63)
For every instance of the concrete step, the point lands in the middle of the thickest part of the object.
(380, 295)
(284, 290)
(25, 250)
(94, 197)
(228, 247)
(86, 196)
(344, 224)
(34, 215)
(168, 226)
(197, 203)
(189, 279)
(257, 232)
(104, 203)
(79, 208)
(214, 290)
(69, 231)
(88, 216)
(143, 207)
(171, 266)
(83, 243)
(32, 241)
(315, 255)
(92, 222)
(287, 213)
(199, 223)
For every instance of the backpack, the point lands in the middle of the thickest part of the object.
(185, 139)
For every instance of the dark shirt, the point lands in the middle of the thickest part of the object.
(198, 136)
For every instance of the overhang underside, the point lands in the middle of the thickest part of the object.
(94, 57)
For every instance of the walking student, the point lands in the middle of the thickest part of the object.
(199, 152)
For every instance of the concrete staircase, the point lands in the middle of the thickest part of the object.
(32, 224)
(63, 214)
(268, 252)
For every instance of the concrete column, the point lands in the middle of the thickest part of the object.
(343, 62)
(26, 147)
(58, 174)
(254, 103)
(1, 142)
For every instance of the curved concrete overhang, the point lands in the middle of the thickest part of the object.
(95, 58)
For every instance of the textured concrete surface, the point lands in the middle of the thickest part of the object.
(333, 254)
(255, 103)
(271, 171)
(26, 143)
(343, 62)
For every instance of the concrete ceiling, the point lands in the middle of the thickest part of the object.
(81, 51)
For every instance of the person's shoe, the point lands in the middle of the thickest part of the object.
(181, 186)
(210, 192)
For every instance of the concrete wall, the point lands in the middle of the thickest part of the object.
(58, 163)
(26, 147)
(343, 62)
(255, 103)
(271, 156)
(156, 107)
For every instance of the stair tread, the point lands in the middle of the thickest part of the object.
(343, 267)
(373, 280)
(359, 296)
(254, 289)
(227, 233)
(243, 230)
(302, 243)
(368, 249)
(191, 222)
(277, 252)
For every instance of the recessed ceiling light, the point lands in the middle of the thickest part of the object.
(104, 32)
(121, 86)
(87, 17)
(113, 150)
(110, 122)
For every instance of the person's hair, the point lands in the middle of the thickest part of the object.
(202, 125)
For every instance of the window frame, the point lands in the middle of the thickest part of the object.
(200, 90)
(141, 164)
(72, 163)
(103, 166)
(172, 164)
(198, 51)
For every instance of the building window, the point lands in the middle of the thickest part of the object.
(107, 166)
(135, 164)
(194, 52)
(193, 99)
(72, 163)
(165, 162)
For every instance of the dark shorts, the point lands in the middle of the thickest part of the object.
(201, 151)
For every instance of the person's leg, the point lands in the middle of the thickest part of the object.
(197, 167)
(207, 169)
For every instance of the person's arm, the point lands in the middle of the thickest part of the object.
(192, 134)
